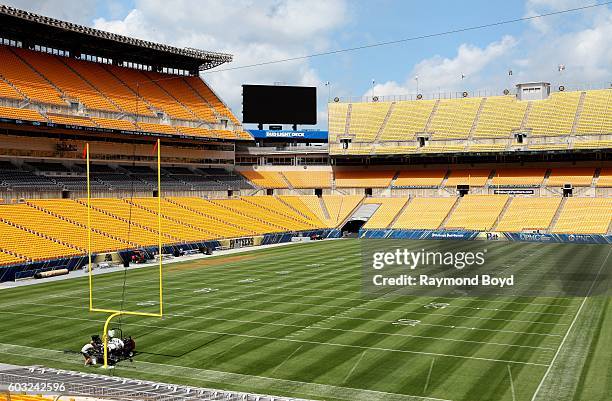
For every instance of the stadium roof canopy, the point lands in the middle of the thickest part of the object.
(32, 29)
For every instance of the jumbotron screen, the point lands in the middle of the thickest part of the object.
(267, 104)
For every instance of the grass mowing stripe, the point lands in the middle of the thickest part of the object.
(278, 339)
(535, 394)
(237, 328)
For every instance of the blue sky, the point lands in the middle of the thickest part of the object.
(262, 30)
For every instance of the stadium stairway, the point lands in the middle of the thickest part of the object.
(274, 205)
(324, 208)
(165, 215)
(342, 208)
(384, 123)
(555, 218)
(434, 111)
(234, 206)
(145, 102)
(201, 213)
(40, 74)
(76, 223)
(503, 212)
(101, 93)
(400, 212)
(450, 213)
(476, 119)
(202, 99)
(127, 221)
(296, 204)
(170, 95)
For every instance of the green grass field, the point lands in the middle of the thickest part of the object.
(292, 320)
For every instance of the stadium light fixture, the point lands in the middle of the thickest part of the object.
(373, 82)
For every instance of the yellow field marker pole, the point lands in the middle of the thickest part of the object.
(159, 231)
(114, 313)
(89, 229)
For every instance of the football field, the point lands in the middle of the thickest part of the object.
(293, 320)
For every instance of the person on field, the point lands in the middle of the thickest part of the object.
(88, 353)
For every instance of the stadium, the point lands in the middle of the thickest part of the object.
(445, 247)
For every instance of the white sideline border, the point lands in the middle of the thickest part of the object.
(408, 397)
(286, 339)
(552, 362)
(186, 258)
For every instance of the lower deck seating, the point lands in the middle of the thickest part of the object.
(9, 259)
(270, 205)
(529, 214)
(477, 212)
(55, 228)
(424, 213)
(585, 216)
(386, 212)
(339, 207)
(24, 397)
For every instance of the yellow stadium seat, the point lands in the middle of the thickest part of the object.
(477, 212)
(309, 179)
(585, 216)
(528, 214)
(577, 176)
(364, 178)
(518, 177)
(424, 213)
(420, 178)
(553, 116)
(265, 179)
(386, 212)
(472, 177)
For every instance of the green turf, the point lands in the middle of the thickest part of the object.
(303, 328)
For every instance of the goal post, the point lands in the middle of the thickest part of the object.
(114, 312)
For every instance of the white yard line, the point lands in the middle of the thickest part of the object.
(286, 339)
(286, 359)
(174, 371)
(314, 326)
(511, 384)
(429, 375)
(354, 367)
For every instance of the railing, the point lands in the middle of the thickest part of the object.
(262, 150)
(428, 95)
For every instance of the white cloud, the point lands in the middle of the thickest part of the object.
(547, 24)
(445, 73)
(585, 48)
(254, 31)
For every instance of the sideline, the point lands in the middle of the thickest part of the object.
(186, 258)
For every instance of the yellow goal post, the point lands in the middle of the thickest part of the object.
(113, 312)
